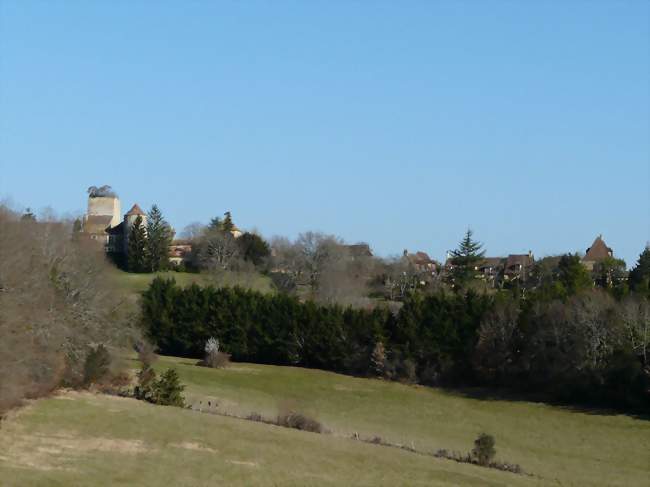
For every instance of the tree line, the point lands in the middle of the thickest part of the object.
(566, 339)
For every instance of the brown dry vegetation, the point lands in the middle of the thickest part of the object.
(54, 304)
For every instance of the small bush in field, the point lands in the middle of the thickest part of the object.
(96, 365)
(213, 357)
(484, 450)
(168, 390)
(211, 346)
(146, 379)
(165, 391)
(299, 421)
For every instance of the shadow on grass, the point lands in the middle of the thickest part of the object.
(492, 394)
(495, 394)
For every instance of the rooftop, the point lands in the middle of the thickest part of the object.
(135, 210)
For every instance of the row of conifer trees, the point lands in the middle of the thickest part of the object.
(577, 348)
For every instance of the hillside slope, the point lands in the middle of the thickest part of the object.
(556, 444)
(84, 439)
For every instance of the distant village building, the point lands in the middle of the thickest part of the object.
(498, 270)
(518, 266)
(180, 252)
(598, 251)
(104, 224)
(421, 261)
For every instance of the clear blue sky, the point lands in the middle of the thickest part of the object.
(395, 123)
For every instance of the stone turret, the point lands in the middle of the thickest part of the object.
(129, 219)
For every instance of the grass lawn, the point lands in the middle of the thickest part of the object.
(86, 439)
(136, 283)
(83, 439)
(556, 444)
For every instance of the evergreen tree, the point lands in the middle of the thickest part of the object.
(168, 390)
(222, 225)
(137, 247)
(227, 225)
(159, 238)
(464, 259)
(215, 224)
(573, 275)
(253, 248)
(640, 275)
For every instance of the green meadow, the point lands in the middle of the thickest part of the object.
(88, 439)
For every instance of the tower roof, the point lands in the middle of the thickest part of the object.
(135, 210)
(598, 250)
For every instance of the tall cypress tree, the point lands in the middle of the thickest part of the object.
(137, 247)
(159, 238)
(464, 259)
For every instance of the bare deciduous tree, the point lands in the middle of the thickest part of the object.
(216, 250)
(55, 301)
(495, 350)
(635, 314)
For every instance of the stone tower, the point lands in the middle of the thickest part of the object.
(105, 206)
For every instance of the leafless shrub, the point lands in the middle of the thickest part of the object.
(214, 358)
(255, 417)
(299, 421)
(97, 365)
(146, 352)
(219, 360)
(290, 418)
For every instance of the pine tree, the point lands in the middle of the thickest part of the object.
(464, 260)
(137, 247)
(640, 275)
(215, 223)
(159, 238)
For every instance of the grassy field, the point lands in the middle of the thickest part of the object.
(558, 445)
(82, 439)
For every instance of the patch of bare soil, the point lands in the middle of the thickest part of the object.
(191, 445)
(243, 463)
(53, 451)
